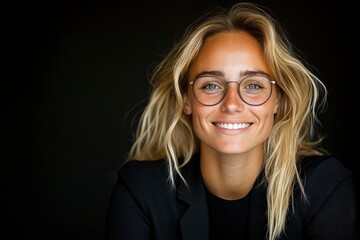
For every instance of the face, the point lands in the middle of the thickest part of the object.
(231, 126)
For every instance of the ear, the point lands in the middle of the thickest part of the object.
(187, 106)
(277, 101)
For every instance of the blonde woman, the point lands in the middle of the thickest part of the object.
(227, 148)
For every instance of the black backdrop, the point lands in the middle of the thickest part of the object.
(75, 74)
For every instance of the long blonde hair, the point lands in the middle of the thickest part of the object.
(166, 132)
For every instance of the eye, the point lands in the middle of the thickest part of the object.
(253, 86)
(211, 86)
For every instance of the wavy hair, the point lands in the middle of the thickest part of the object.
(164, 131)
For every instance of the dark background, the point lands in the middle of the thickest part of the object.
(75, 74)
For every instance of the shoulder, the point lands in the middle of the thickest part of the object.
(142, 165)
(328, 208)
(325, 169)
(143, 171)
(145, 182)
(325, 180)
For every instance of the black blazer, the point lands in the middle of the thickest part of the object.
(145, 206)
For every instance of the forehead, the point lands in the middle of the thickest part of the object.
(229, 52)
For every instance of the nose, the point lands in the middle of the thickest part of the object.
(232, 101)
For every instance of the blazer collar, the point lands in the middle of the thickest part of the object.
(192, 205)
(193, 209)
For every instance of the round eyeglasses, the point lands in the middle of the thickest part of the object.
(254, 90)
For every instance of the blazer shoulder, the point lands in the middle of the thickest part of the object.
(323, 178)
(328, 168)
(145, 170)
(148, 183)
(142, 165)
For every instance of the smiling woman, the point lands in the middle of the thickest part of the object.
(226, 147)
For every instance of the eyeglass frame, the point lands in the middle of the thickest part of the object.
(238, 89)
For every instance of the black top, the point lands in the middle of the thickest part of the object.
(228, 219)
(144, 206)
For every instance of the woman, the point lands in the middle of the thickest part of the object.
(226, 147)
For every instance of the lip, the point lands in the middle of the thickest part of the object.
(232, 125)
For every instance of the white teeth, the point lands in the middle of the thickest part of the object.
(232, 125)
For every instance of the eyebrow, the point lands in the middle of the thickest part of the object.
(221, 74)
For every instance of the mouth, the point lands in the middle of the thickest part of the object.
(232, 126)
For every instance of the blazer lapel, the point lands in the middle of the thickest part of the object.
(192, 205)
(193, 209)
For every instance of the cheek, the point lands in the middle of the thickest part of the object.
(197, 111)
(201, 118)
(272, 107)
(193, 107)
(200, 113)
(266, 113)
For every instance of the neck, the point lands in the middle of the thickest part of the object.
(230, 176)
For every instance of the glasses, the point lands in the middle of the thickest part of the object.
(254, 90)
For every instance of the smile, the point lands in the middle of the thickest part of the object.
(232, 125)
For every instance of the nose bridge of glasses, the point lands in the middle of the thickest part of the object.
(237, 83)
(236, 86)
(235, 93)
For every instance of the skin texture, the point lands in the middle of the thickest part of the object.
(230, 158)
